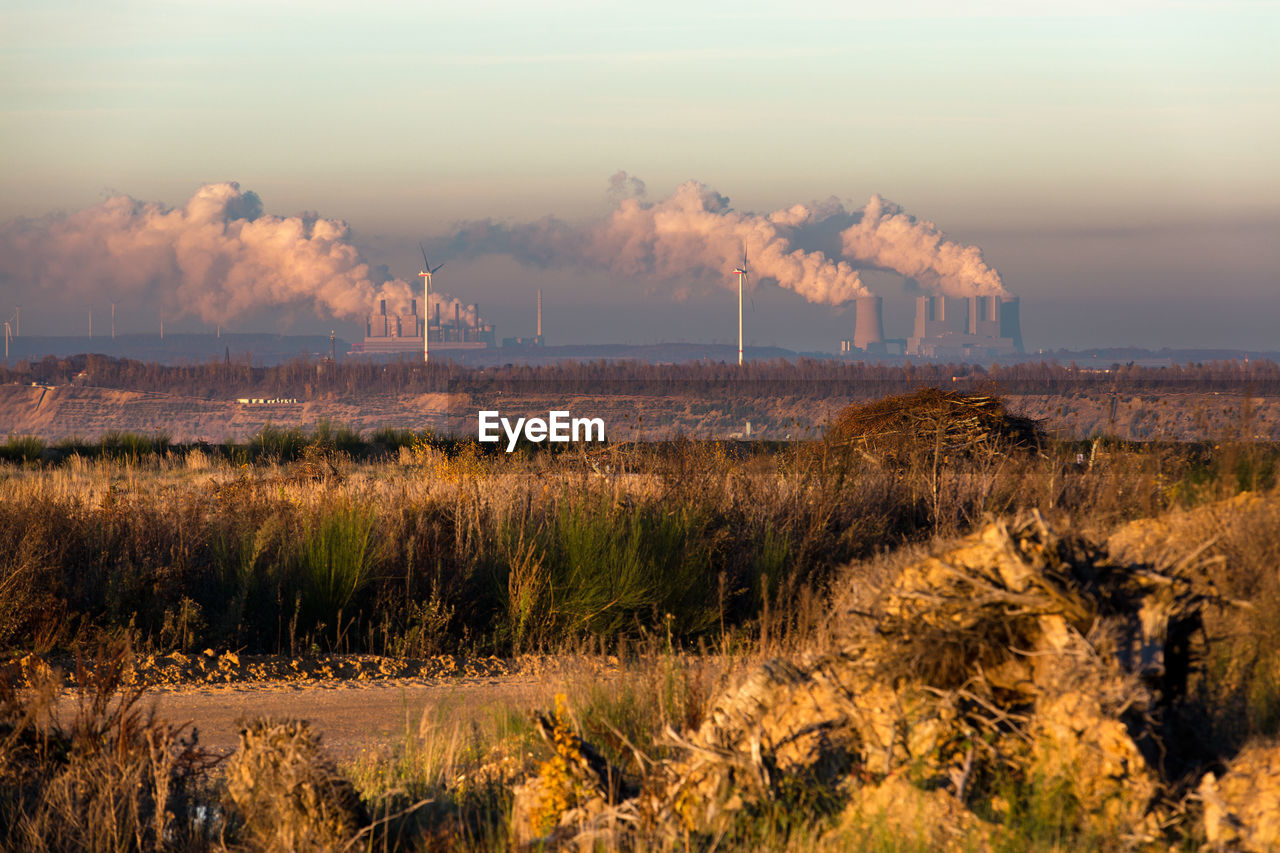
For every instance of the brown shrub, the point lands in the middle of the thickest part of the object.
(288, 791)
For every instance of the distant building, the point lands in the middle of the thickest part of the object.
(977, 327)
(402, 333)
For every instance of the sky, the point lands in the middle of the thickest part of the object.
(1113, 161)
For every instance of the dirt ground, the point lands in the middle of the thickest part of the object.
(352, 716)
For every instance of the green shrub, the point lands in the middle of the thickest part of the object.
(22, 448)
(277, 445)
(335, 556)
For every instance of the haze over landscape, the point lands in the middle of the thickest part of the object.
(274, 168)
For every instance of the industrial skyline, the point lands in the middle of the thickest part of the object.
(1112, 154)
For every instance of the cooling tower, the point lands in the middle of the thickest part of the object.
(1010, 327)
(868, 327)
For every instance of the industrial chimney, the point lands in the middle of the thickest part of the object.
(1010, 326)
(868, 329)
(539, 313)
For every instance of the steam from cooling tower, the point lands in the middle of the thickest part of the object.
(890, 239)
(218, 257)
(815, 250)
(692, 234)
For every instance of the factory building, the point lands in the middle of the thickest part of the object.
(402, 333)
(976, 327)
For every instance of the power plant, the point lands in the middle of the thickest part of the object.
(973, 327)
(393, 334)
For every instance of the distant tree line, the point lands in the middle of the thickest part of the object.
(807, 378)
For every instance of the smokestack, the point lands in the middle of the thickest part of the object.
(457, 322)
(413, 307)
(382, 307)
(868, 329)
(1010, 327)
(539, 312)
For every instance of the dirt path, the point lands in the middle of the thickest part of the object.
(352, 716)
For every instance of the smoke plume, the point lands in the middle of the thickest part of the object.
(886, 237)
(815, 250)
(693, 234)
(219, 257)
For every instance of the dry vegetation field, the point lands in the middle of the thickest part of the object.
(934, 627)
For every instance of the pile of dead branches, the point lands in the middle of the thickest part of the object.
(1019, 652)
(932, 421)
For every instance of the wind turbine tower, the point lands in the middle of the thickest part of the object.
(426, 274)
(741, 272)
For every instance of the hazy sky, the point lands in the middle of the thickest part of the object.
(1115, 161)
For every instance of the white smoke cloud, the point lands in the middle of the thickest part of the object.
(888, 238)
(692, 234)
(815, 250)
(218, 257)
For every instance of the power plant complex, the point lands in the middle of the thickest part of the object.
(973, 327)
(391, 334)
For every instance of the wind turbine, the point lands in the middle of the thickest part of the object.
(8, 335)
(741, 272)
(426, 274)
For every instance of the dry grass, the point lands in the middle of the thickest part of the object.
(113, 777)
(645, 552)
(481, 552)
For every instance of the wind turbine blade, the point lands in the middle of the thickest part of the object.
(437, 269)
(424, 255)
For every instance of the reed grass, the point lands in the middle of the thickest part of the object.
(445, 547)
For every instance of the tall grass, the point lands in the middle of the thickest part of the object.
(22, 448)
(447, 549)
(109, 776)
(614, 568)
(335, 556)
